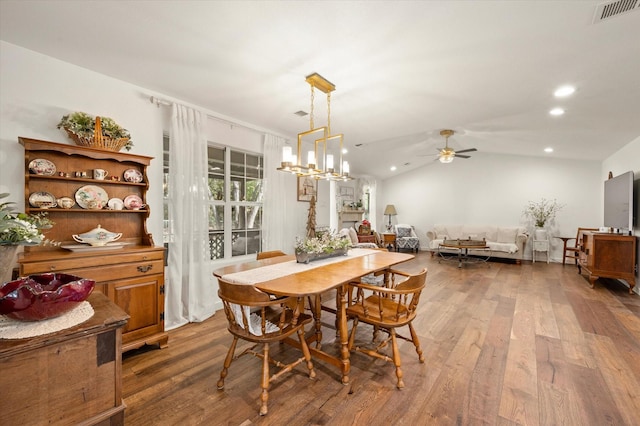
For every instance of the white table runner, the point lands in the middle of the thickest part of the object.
(278, 270)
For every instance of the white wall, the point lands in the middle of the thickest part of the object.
(627, 159)
(491, 189)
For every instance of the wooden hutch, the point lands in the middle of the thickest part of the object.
(130, 273)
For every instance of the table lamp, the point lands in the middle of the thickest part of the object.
(390, 210)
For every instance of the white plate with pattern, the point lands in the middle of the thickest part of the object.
(92, 197)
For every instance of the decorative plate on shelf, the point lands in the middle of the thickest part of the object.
(43, 167)
(92, 197)
(42, 200)
(132, 175)
(115, 204)
(133, 202)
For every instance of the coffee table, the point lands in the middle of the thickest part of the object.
(462, 247)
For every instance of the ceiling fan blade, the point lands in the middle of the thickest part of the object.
(462, 156)
(466, 150)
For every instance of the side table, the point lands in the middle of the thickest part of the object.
(389, 241)
(540, 246)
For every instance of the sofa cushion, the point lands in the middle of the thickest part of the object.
(507, 235)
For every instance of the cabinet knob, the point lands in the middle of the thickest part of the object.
(145, 268)
(144, 257)
(52, 268)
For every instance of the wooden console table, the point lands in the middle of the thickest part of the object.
(73, 376)
(608, 256)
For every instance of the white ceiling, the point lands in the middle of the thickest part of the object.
(402, 70)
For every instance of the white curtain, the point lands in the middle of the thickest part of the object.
(189, 292)
(274, 207)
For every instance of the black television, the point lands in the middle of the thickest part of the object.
(618, 203)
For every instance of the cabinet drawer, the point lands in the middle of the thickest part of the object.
(116, 272)
(68, 264)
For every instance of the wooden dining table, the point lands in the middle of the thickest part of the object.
(315, 281)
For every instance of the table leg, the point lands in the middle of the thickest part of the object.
(344, 338)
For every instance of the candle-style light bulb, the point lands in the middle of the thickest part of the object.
(286, 154)
(345, 167)
(329, 161)
(311, 158)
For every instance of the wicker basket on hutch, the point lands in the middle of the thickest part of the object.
(98, 140)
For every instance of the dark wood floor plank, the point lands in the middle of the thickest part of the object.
(504, 344)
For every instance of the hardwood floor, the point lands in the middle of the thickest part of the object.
(503, 344)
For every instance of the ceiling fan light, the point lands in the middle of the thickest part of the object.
(446, 158)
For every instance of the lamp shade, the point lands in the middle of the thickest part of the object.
(390, 210)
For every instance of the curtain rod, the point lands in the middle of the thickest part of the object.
(159, 101)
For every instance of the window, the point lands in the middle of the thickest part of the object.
(235, 202)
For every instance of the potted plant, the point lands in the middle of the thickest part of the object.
(328, 244)
(542, 212)
(97, 132)
(18, 229)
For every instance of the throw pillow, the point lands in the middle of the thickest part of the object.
(353, 235)
(507, 235)
(403, 232)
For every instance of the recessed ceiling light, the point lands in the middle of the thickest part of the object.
(556, 111)
(393, 168)
(345, 150)
(548, 149)
(564, 91)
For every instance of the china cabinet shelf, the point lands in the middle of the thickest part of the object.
(87, 180)
(74, 210)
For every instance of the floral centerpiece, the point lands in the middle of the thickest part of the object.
(96, 132)
(328, 244)
(543, 211)
(18, 229)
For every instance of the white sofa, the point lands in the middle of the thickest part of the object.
(504, 241)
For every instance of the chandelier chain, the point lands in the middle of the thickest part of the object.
(329, 112)
(311, 114)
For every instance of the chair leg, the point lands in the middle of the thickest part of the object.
(352, 336)
(416, 342)
(264, 395)
(306, 353)
(396, 358)
(227, 363)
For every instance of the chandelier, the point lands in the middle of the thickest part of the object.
(323, 150)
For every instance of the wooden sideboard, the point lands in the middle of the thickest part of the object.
(608, 256)
(132, 276)
(72, 376)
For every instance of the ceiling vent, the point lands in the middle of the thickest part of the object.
(613, 8)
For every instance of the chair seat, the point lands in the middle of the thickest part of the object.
(392, 311)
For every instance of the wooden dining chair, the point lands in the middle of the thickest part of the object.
(268, 254)
(388, 308)
(254, 316)
(573, 251)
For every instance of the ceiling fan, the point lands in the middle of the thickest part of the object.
(446, 154)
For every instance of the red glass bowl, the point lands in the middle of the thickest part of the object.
(43, 296)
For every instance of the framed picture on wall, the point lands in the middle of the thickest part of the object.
(307, 188)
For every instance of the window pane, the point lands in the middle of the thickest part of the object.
(254, 217)
(254, 190)
(216, 218)
(253, 166)
(216, 245)
(236, 192)
(237, 217)
(237, 163)
(216, 187)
